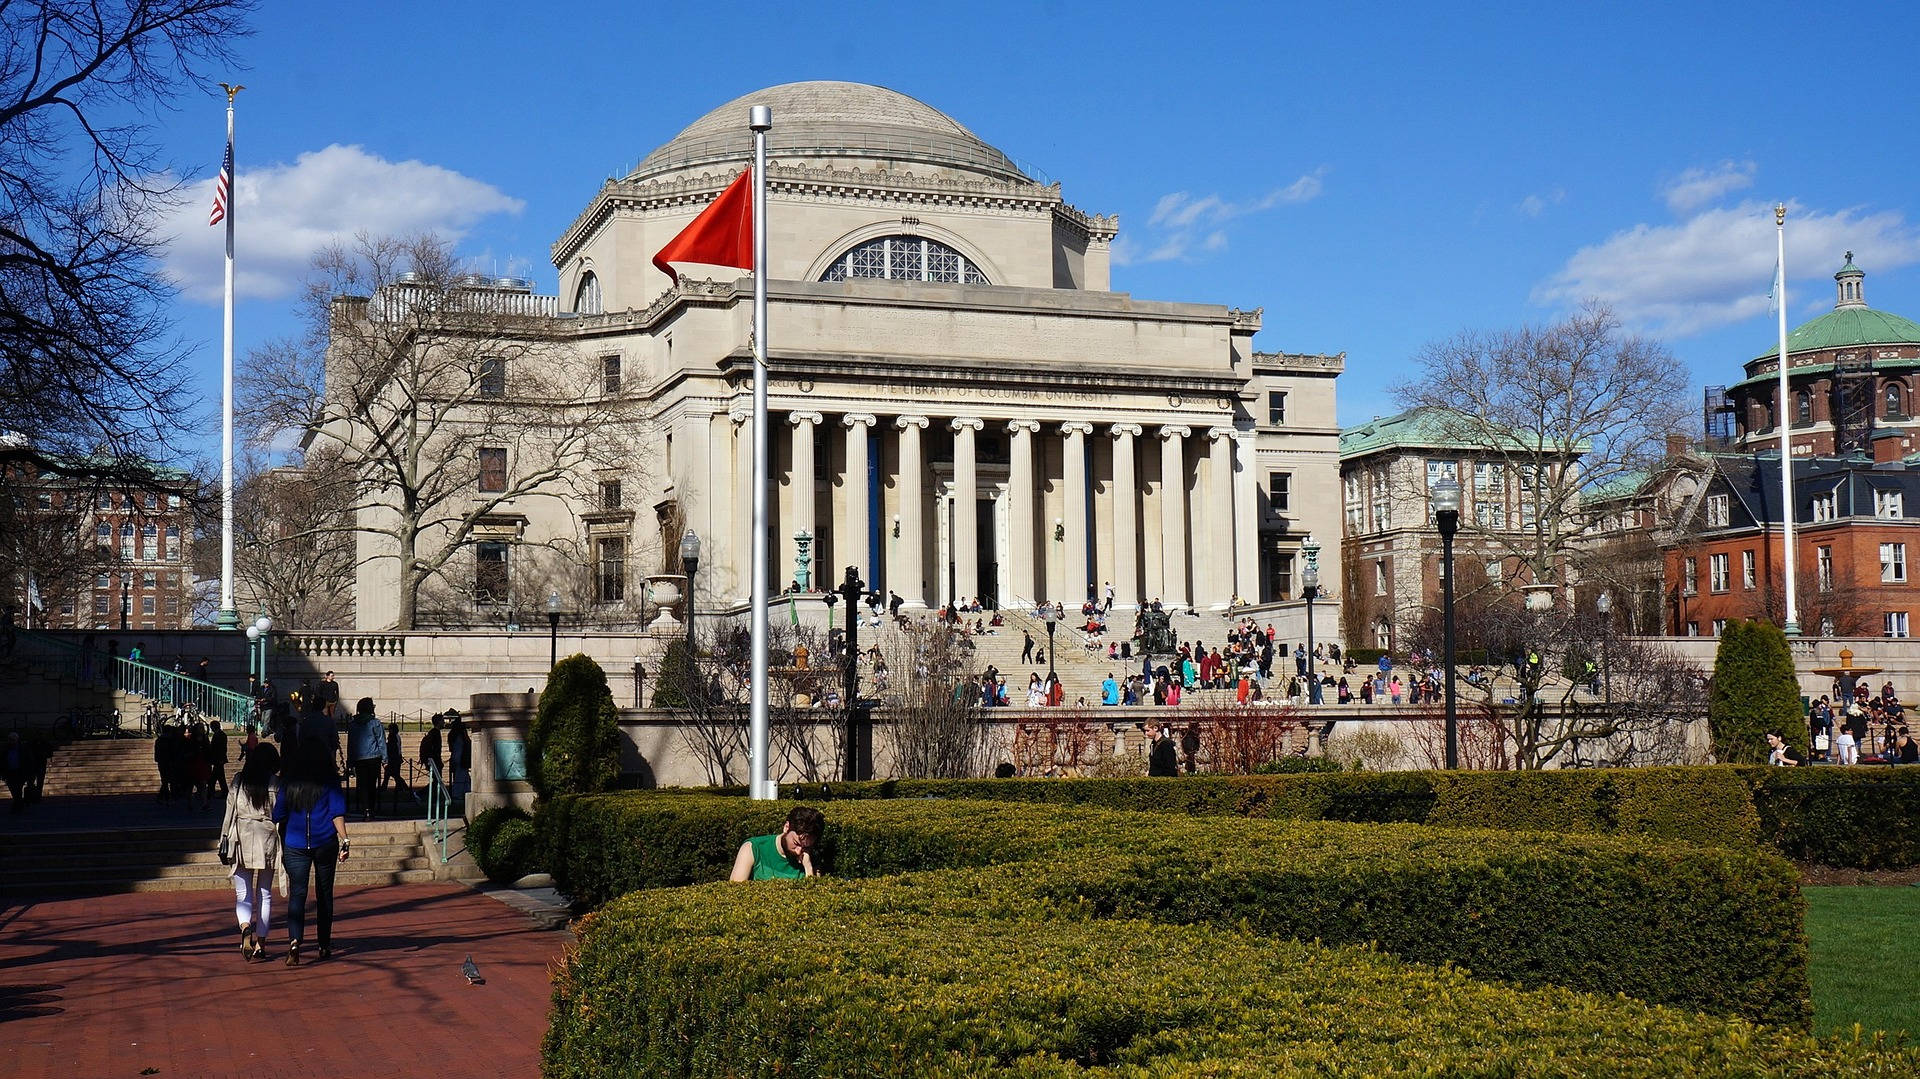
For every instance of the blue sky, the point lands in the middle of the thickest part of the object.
(1374, 177)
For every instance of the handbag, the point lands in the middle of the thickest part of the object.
(226, 851)
(226, 834)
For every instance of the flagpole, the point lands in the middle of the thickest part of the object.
(227, 618)
(1792, 626)
(760, 118)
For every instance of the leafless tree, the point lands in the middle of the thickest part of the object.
(447, 401)
(293, 554)
(1560, 409)
(87, 366)
(939, 731)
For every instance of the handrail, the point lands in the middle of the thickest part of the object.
(62, 658)
(438, 803)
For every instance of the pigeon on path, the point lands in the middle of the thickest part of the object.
(472, 972)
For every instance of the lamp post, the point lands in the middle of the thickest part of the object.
(859, 737)
(690, 558)
(257, 647)
(553, 630)
(126, 598)
(1051, 622)
(802, 558)
(1310, 589)
(1604, 604)
(1445, 494)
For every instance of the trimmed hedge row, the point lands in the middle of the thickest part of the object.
(775, 980)
(1713, 929)
(1865, 817)
(504, 843)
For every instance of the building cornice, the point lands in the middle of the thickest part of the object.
(1299, 363)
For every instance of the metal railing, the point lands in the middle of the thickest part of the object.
(439, 802)
(63, 659)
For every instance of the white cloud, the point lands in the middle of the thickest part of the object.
(1181, 224)
(1696, 187)
(285, 213)
(1535, 205)
(1716, 267)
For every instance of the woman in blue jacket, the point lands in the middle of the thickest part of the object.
(312, 814)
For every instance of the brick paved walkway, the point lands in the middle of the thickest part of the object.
(112, 985)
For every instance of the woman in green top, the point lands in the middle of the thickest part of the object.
(786, 856)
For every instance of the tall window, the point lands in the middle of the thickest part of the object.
(1382, 505)
(493, 469)
(1823, 563)
(150, 541)
(1896, 623)
(1486, 476)
(104, 534)
(146, 605)
(586, 298)
(1717, 578)
(1824, 507)
(1490, 513)
(1890, 504)
(1283, 576)
(1893, 562)
(173, 542)
(1894, 404)
(609, 375)
(1802, 412)
(610, 497)
(1280, 491)
(490, 577)
(613, 570)
(1719, 626)
(904, 258)
(1380, 577)
(126, 540)
(1717, 511)
(1276, 407)
(493, 376)
(1746, 570)
(1690, 576)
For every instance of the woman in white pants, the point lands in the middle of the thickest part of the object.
(254, 842)
(1846, 748)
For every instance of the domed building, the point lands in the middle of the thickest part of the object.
(1851, 376)
(961, 405)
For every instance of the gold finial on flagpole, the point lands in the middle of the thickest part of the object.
(1780, 213)
(231, 90)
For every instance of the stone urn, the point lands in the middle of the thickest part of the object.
(665, 591)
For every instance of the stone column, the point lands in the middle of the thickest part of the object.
(1218, 521)
(854, 551)
(801, 494)
(743, 503)
(1074, 470)
(1246, 525)
(1020, 492)
(966, 512)
(719, 566)
(1173, 515)
(909, 557)
(1126, 518)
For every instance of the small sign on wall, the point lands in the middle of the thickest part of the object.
(510, 761)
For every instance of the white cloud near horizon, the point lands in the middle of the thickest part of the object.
(285, 213)
(1697, 187)
(1182, 226)
(1715, 267)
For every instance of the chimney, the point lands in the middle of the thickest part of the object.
(1677, 445)
(1889, 447)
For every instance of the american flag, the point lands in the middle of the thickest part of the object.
(221, 189)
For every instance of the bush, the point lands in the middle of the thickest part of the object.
(721, 981)
(574, 745)
(504, 843)
(679, 680)
(1717, 930)
(1862, 818)
(1297, 765)
(1754, 691)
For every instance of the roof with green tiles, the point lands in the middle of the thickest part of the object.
(1424, 428)
(1848, 326)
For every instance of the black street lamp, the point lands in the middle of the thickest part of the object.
(1052, 620)
(1604, 604)
(690, 558)
(859, 737)
(553, 630)
(1310, 590)
(126, 598)
(1445, 494)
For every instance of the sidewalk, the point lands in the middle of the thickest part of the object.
(113, 985)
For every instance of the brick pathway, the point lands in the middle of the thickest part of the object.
(110, 986)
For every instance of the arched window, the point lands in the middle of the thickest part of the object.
(586, 298)
(905, 258)
(1895, 402)
(1802, 408)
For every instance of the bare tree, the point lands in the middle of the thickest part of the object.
(86, 365)
(293, 556)
(1560, 409)
(447, 401)
(939, 732)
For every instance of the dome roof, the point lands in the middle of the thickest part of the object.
(831, 119)
(1849, 326)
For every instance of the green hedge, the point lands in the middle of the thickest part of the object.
(504, 842)
(827, 978)
(1865, 817)
(1718, 930)
(1711, 806)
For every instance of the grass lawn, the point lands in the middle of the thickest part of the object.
(1864, 948)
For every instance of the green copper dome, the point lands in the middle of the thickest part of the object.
(1849, 326)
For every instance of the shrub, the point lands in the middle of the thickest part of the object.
(1754, 691)
(504, 843)
(720, 981)
(574, 745)
(679, 679)
(1297, 765)
(1863, 818)
(1717, 930)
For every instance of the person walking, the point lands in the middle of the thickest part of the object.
(312, 814)
(394, 763)
(459, 757)
(366, 751)
(248, 833)
(1026, 647)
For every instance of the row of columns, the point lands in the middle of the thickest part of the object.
(1227, 568)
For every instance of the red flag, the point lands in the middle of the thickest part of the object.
(721, 236)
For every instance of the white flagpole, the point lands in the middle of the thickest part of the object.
(760, 118)
(227, 618)
(1784, 418)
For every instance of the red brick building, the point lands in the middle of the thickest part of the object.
(98, 555)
